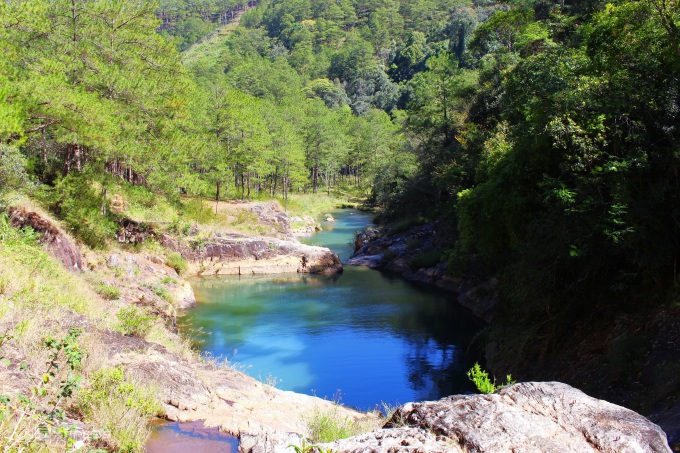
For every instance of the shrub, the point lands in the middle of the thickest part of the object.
(387, 256)
(13, 169)
(175, 261)
(482, 381)
(79, 203)
(108, 292)
(134, 322)
(121, 407)
(428, 258)
(35, 421)
(196, 210)
(406, 224)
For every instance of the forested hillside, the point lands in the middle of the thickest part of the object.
(541, 134)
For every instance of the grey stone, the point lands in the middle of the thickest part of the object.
(113, 261)
(537, 417)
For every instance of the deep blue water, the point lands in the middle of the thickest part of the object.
(362, 337)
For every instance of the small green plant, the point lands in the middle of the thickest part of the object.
(121, 407)
(330, 425)
(4, 284)
(160, 291)
(175, 261)
(134, 322)
(28, 421)
(5, 337)
(167, 280)
(108, 292)
(304, 447)
(392, 416)
(482, 381)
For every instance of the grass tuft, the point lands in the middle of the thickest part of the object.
(330, 425)
(121, 407)
(134, 322)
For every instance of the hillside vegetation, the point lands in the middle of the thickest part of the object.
(541, 135)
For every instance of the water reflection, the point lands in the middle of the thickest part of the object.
(193, 437)
(373, 337)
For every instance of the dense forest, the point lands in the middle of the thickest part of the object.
(543, 134)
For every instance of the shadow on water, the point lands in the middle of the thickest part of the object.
(370, 336)
(193, 437)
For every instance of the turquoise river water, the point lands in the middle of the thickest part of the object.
(361, 337)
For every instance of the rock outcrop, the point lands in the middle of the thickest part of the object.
(264, 418)
(271, 215)
(234, 254)
(529, 417)
(57, 243)
(402, 254)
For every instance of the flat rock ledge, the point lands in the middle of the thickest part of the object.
(234, 254)
(528, 417)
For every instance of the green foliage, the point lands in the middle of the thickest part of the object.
(483, 382)
(79, 202)
(21, 259)
(426, 259)
(134, 321)
(121, 407)
(329, 427)
(108, 292)
(12, 169)
(27, 422)
(406, 224)
(175, 261)
(304, 447)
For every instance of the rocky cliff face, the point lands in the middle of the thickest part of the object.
(226, 254)
(529, 417)
(400, 254)
(57, 243)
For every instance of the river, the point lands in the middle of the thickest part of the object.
(362, 337)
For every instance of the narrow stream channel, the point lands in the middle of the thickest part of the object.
(361, 337)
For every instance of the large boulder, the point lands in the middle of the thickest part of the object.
(57, 243)
(529, 417)
(244, 255)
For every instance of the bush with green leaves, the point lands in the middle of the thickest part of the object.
(175, 261)
(330, 425)
(13, 169)
(134, 321)
(78, 201)
(36, 422)
(108, 292)
(121, 407)
(483, 382)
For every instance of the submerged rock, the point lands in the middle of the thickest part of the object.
(529, 417)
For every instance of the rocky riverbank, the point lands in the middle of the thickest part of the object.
(415, 255)
(235, 254)
(266, 419)
(633, 361)
(543, 417)
(223, 252)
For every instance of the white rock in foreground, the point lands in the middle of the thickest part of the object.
(528, 417)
